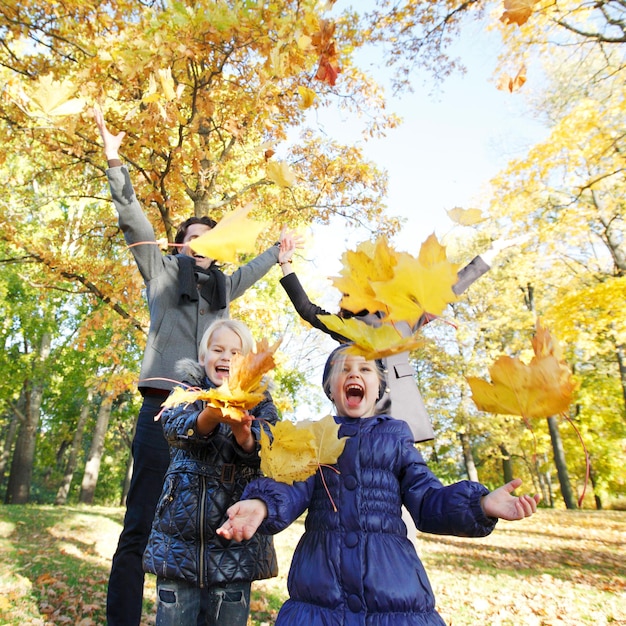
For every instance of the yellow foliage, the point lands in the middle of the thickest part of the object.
(54, 97)
(234, 234)
(368, 263)
(243, 389)
(542, 388)
(371, 342)
(298, 449)
(422, 285)
(280, 173)
(466, 217)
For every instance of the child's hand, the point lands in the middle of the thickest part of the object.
(242, 432)
(244, 517)
(500, 503)
(289, 242)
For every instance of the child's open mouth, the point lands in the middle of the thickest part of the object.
(354, 394)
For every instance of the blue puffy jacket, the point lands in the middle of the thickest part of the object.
(206, 475)
(355, 565)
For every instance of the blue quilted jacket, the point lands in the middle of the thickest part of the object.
(206, 475)
(355, 566)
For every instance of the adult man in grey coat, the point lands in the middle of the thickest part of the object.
(185, 293)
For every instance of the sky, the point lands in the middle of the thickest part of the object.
(443, 155)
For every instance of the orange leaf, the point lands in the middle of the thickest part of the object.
(243, 389)
(506, 83)
(517, 11)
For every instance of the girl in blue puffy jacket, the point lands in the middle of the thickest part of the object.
(355, 565)
(202, 577)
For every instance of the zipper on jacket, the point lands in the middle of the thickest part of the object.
(201, 530)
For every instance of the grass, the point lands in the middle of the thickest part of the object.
(557, 568)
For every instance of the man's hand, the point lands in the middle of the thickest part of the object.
(111, 142)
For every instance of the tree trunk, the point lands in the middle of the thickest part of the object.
(11, 433)
(470, 466)
(77, 440)
(596, 497)
(621, 362)
(18, 488)
(92, 466)
(507, 466)
(559, 461)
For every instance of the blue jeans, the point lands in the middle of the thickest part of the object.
(150, 460)
(179, 604)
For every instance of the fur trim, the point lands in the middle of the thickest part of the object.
(190, 371)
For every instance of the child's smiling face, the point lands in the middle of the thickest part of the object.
(354, 387)
(223, 345)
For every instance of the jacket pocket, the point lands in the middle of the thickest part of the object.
(168, 494)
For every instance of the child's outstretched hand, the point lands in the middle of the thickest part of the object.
(500, 503)
(244, 517)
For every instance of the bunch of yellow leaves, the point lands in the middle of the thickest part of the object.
(542, 388)
(403, 288)
(371, 342)
(296, 450)
(233, 235)
(243, 389)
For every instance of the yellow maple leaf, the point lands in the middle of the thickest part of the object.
(465, 217)
(54, 97)
(234, 234)
(542, 388)
(371, 261)
(517, 11)
(307, 97)
(419, 285)
(280, 173)
(296, 450)
(243, 389)
(371, 342)
(246, 373)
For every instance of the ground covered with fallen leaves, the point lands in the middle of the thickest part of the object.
(556, 568)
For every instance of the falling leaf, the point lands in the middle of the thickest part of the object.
(371, 342)
(167, 84)
(420, 285)
(517, 11)
(542, 388)
(324, 44)
(243, 389)
(55, 97)
(280, 173)
(234, 234)
(506, 83)
(465, 217)
(368, 263)
(296, 450)
(307, 97)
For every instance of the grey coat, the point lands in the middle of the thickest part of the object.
(175, 328)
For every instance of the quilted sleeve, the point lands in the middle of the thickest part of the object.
(285, 503)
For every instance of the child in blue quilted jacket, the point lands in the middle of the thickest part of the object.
(212, 459)
(355, 565)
